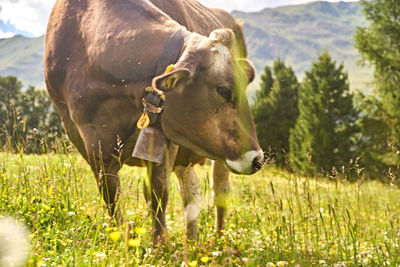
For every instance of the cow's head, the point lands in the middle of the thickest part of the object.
(206, 109)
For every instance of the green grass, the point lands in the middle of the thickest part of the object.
(275, 218)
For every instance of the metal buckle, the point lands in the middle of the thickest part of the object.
(153, 101)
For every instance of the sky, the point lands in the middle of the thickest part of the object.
(29, 17)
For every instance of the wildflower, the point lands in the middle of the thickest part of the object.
(71, 213)
(101, 255)
(204, 259)
(115, 236)
(216, 253)
(270, 264)
(134, 242)
(193, 263)
(140, 230)
(245, 260)
(281, 263)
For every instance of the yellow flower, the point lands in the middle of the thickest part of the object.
(193, 263)
(140, 230)
(134, 242)
(115, 236)
(205, 259)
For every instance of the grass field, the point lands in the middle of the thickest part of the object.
(275, 219)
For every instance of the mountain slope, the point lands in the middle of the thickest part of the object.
(297, 33)
(23, 57)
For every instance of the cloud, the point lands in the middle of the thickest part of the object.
(26, 15)
(5, 34)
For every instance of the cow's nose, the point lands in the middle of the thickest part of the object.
(257, 163)
(249, 163)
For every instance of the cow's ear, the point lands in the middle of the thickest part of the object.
(172, 80)
(248, 68)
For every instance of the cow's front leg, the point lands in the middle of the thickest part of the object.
(110, 187)
(105, 168)
(190, 192)
(221, 188)
(159, 198)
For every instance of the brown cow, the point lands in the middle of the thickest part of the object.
(101, 55)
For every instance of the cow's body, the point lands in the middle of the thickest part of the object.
(100, 56)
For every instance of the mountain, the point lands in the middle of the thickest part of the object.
(293, 33)
(297, 33)
(23, 57)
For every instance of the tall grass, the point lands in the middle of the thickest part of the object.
(275, 219)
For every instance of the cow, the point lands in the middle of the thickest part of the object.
(102, 71)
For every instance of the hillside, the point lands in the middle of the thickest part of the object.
(23, 57)
(297, 33)
(294, 33)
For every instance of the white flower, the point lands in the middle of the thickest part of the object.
(71, 213)
(14, 243)
(101, 255)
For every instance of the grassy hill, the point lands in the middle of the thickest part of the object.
(274, 219)
(23, 57)
(294, 33)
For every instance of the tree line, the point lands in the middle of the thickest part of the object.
(319, 126)
(29, 121)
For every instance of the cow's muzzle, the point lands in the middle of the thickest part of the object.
(248, 163)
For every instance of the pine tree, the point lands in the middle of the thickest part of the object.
(379, 45)
(324, 134)
(10, 91)
(275, 110)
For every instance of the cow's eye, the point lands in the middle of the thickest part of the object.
(225, 93)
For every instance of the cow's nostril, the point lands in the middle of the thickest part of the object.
(257, 163)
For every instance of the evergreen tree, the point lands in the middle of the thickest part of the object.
(28, 119)
(267, 81)
(275, 109)
(379, 45)
(324, 134)
(10, 91)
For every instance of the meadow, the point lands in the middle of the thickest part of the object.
(275, 219)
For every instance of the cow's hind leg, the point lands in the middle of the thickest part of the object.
(190, 192)
(221, 188)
